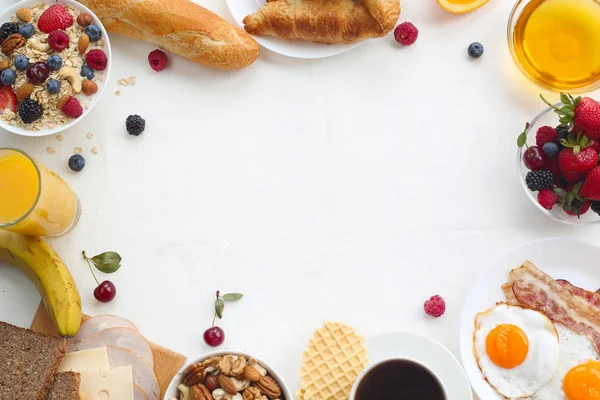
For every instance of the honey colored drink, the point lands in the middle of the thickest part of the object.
(33, 199)
(557, 42)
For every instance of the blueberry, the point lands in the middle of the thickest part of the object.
(76, 162)
(53, 86)
(93, 32)
(551, 149)
(8, 77)
(475, 50)
(87, 72)
(27, 30)
(21, 62)
(55, 62)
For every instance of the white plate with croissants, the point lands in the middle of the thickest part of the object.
(315, 28)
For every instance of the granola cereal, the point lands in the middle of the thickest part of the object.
(37, 49)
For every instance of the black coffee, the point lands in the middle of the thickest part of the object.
(399, 380)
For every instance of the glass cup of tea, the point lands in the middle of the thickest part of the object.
(33, 199)
(556, 43)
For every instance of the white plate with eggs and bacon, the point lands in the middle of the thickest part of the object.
(530, 328)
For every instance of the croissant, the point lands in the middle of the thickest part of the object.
(324, 21)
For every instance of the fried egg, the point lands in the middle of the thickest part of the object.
(516, 349)
(578, 373)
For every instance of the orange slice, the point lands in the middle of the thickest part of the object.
(461, 6)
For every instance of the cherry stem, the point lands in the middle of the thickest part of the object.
(215, 316)
(90, 265)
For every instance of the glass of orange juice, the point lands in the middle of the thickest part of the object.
(33, 199)
(556, 43)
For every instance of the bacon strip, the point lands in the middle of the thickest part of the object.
(540, 292)
(509, 294)
(593, 298)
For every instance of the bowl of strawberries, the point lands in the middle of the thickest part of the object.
(558, 160)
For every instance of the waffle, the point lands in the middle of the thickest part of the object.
(336, 355)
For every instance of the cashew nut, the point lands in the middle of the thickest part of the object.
(220, 394)
(38, 45)
(211, 370)
(72, 76)
(240, 385)
(185, 392)
(260, 369)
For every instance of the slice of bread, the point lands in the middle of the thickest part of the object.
(65, 387)
(28, 362)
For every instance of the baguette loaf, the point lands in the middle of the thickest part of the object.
(181, 27)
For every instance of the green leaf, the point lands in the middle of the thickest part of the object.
(232, 296)
(219, 306)
(570, 197)
(522, 139)
(565, 99)
(107, 262)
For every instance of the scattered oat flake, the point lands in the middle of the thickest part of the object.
(90, 135)
(123, 82)
(78, 150)
(132, 80)
(51, 150)
(60, 137)
(118, 93)
(94, 150)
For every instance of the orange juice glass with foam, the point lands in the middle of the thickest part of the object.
(33, 199)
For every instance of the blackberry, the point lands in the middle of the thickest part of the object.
(596, 207)
(135, 125)
(8, 29)
(539, 179)
(562, 131)
(30, 110)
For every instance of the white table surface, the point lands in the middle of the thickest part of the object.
(350, 188)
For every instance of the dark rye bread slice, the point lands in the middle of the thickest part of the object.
(65, 387)
(28, 362)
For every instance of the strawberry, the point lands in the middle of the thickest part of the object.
(571, 201)
(577, 158)
(8, 99)
(582, 209)
(587, 118)
(56, 17)
(591, 186)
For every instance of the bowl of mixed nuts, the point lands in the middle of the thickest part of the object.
(227, 375)
(54, 61)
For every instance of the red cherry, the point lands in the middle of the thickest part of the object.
(105, 292)
(214, 336)
(534, 158)
(38, 73)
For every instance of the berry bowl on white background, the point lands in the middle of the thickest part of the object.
(533, 159)
(61, 57)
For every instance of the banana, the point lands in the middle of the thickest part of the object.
(47, 271)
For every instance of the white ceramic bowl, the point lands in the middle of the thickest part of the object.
(172, 389)
(6, 15)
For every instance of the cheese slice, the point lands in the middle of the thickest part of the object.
(85, 359)
(107, 384)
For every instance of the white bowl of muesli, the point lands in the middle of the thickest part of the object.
(55, 59)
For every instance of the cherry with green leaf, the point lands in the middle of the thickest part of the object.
(107, 263)
(215, 336)
(533, 157)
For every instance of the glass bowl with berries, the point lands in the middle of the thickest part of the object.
(558, 160)
(228, 375)
(54, 61)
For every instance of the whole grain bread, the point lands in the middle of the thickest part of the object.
(65, 387)
(28, 362)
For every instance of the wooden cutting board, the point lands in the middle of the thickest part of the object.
(167, 363)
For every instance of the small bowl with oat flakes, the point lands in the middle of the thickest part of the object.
(54, 62)
(226, 375)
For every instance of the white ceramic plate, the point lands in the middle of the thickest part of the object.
(427, 352)
(291, 48)
(6, 14)
(172, 391)
(570, 259)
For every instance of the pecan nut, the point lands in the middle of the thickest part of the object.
(269, 387)
(227, 385)
(200, 392)
(253, 393)
(12, 43)
(194, 374)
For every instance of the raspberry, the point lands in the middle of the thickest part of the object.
(72, 108)
(158, 60)
(58, 40)
(55, 17)
(96, 59)
(406, 33)
(435, 306)
(547, 198)
(545, 134)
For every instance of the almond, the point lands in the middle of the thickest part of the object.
(269, 387)
(24, 91)
(89, 87)
(252, 374)
(227, 385)
(84, 19)
(3, 65)
(200, 392)
(24, 14)
(83, 44)
(62, 101)
(212, 382)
